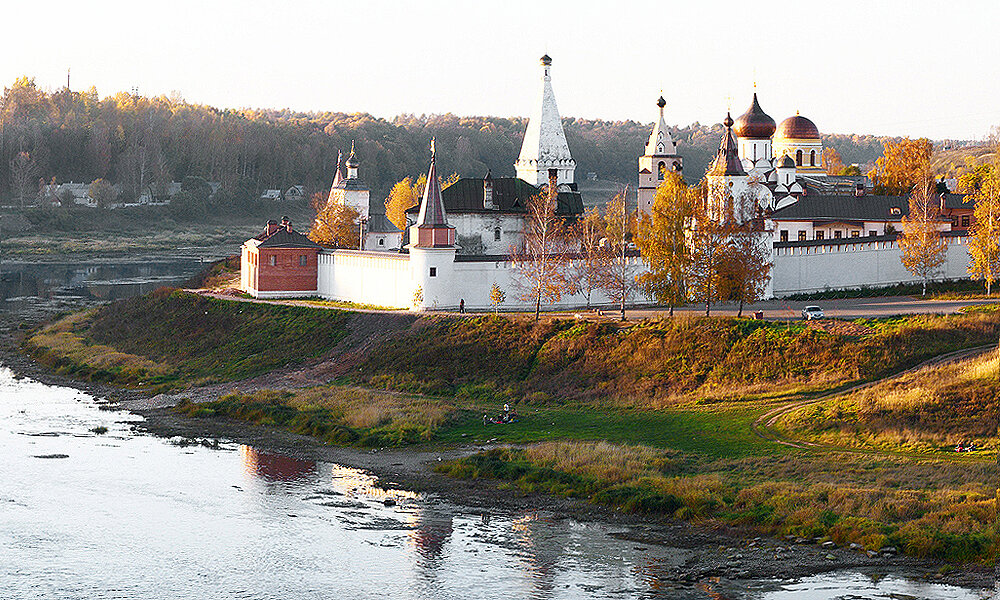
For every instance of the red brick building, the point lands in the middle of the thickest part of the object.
(279, 263)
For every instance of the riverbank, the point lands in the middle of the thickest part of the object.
(717, 550)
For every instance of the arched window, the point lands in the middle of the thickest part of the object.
(798, 158)
(496, 234)
(661, 170)
(812, 158)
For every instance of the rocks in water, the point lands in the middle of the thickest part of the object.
(856, 546)
(889, 551)
(828, 545)
(389, 502)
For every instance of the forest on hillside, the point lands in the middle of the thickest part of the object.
(138, 142)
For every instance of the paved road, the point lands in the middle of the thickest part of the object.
(849, 308)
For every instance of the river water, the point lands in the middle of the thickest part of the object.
(122, 514)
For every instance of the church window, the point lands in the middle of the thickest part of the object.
(496, 234)
(303, 260)
(838, 234)
(872, 233)
(798, 158)
(965, 220)
(802, 236)
(784, 235)
(819, 235)
(661, 170)
(381, 241)
(434, 272)
(274, 260)
(855, 233)
(812, 158)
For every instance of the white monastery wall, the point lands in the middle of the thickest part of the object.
(378, 278)
(485, 226)
(814, 268)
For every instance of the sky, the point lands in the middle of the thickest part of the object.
(914, 68)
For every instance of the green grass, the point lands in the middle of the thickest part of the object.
(171, 338)
(716, 434)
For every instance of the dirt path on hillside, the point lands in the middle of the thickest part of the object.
(764, 425)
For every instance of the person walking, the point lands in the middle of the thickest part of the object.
(461, 306)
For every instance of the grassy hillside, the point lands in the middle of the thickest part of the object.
(171, 338)
(933, 409)
(656, 363)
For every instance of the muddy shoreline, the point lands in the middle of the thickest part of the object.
(715, 552)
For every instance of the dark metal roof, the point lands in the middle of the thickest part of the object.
(864, 239)
(727, 160)
(754, 123)
(350, 184)
(379, 223)
(282, 238)
(432, 211)
(841, 208)
(855, 208)
(510, 195)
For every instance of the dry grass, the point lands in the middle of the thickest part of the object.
(927, 410)
(60, 346)
(362, 408)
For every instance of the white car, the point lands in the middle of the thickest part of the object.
(812, 312)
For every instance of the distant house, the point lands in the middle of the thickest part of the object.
(273, 195)
(296, 192)
(279, 263)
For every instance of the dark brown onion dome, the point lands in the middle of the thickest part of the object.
(787, 162)
(546, 60)
(661, 102)
(797, 128)
(754, 123)
(728, 121)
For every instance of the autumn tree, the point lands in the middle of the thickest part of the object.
(336, 225)
(745, 265)
(619, 272)
(662, 240)
(903, 165)
(923, 248)
(102, 192)
(540, 265)
(586, 270)
(497, 297)
(984, 234)
(707, 244)
(22, 172)
(406, 194)
(832, 161)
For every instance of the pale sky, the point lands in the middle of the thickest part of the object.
(917, 68)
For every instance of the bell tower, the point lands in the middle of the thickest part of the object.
(660, 158)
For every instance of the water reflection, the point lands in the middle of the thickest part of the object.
(276, 467)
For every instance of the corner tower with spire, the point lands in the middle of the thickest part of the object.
(432, 248)
(660, 158)
(544, 149)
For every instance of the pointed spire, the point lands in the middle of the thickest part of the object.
(338, 177)
(727, 160)
(432, 206)
(544, 146)
(660, 142)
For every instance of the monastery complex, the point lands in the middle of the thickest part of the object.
(824, 232)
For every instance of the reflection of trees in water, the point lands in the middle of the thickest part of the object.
(275, 467)
(430, 534)
(100, 281)
(542, 542)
